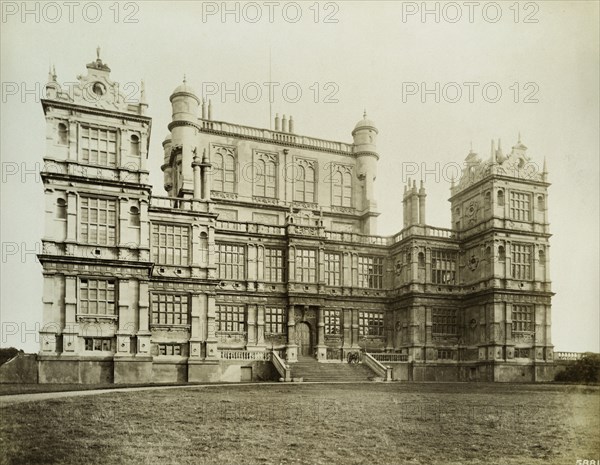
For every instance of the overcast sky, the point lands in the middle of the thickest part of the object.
(343, 57)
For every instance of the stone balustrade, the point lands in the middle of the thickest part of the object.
(568, 355)
(276, 136)
(244, 355)
(383, 357)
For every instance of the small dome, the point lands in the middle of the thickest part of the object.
(365, 123)
(183, 88)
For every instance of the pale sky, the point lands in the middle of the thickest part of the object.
(546, 64)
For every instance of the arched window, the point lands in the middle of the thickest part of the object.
(421, 258)
(542, 255)
(540, 203)
(62, 134)
(266, 178)
(500, 198)
(305, 184)
(61, 209)
(224, 172)
(134, 145)
(501, 254)
(341, 189)
(134, 216)
(488, 200)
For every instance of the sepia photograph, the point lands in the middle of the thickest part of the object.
(300, 232)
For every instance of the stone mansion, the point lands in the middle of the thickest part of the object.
(263, 253)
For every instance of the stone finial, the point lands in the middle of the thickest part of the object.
(142, 92)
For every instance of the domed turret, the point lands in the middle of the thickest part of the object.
(365, 134)
(184, 102)
(365, 123)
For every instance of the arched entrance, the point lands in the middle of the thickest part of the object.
(304, 339)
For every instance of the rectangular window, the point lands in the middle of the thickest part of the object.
(169, 349)
(274, 265)
(275, 320)
(522, 353)
(231, 318)
(231, 261)
(443, 267)
(445, 354)
(333, 269)
(521, 261)
(370, 323)
(98, 221)
(170, 244)
(98, 146)
(306, 265)
(370, 272)
(444, 322)
(520, 206)
(96, 296)
(522, 319)
(332, 321)
(98, 344)
(170, 309)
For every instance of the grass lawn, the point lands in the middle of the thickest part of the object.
(21, 388)
(370, 424)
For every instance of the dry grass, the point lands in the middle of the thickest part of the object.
(310, 424)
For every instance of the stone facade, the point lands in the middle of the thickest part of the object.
(266, 242)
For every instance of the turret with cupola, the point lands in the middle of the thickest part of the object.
(181, 146)
(365, 149)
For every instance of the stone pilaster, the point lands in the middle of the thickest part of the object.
(72, 206)
(251, 324)
(211, 338)
(321, 347)
(71, 329)
(197, 315)
(260, 326)
(291, 346)
(143, 334)
(354, 329)
(124, 322)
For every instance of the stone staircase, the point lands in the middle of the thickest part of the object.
(309, 369)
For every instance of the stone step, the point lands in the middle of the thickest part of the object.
(310, 370)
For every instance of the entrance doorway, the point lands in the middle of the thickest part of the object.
(303, 338)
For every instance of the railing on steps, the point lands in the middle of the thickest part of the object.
(282, 368)
(387, 357)
(381, 370)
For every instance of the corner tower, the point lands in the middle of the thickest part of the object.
(182, 148)
(365, 149)
(95, 254)
(499, 213)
